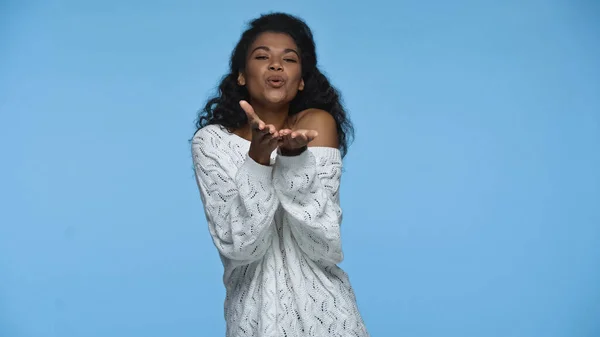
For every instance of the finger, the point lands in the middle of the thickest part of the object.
(299, 134)
(294, 140)
(265, 131)
(252, 117)
(247, 109)
(311, 135)
(302, 139)
(256, 125)
(268, 135)
(284, 132)
(271, 129)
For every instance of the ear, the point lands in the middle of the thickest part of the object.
(241, 80)
(301, 85)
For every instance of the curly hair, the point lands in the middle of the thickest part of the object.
(224, 108)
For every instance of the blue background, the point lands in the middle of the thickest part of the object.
(471, 194)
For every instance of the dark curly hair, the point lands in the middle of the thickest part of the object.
(224, 108)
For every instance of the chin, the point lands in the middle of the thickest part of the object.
(277, 99)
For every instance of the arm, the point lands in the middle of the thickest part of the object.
(240, 205)
(307, 185)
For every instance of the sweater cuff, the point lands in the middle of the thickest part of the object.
(257, 170)
(329, 154)
(301, 160)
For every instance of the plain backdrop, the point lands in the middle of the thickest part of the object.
(471, 194)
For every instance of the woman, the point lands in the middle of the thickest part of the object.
(268, 160)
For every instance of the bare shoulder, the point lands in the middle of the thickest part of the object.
(313, 118)
(320, 121)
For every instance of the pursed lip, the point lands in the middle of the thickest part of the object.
(276, 81)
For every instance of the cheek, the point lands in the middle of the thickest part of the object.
(253, 83)
(252, 79)
(296, 78)
(253, 74)
(297, 73)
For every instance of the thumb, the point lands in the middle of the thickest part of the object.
(311, 135)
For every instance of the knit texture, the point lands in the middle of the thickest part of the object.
(277, 230)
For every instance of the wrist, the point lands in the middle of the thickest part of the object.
(265, 161)
(292, 152)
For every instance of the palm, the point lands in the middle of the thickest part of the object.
(265, 137)
(295, 139)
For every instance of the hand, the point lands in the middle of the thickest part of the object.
(265, 137)
(294, 142)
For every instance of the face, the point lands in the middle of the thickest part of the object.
(273, 72)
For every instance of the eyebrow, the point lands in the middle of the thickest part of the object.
(285, 51)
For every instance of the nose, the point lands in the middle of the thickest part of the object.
(275, 66)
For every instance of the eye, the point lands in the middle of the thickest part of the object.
(261, 57)
(291, 60)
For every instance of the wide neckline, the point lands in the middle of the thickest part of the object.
(247, 142)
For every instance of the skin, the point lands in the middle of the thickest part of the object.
(275, 56)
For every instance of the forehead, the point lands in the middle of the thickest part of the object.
(274, 41)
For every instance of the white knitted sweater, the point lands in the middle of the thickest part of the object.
(277, 230)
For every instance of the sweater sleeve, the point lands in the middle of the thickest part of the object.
(239, 203)
(307, 186)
